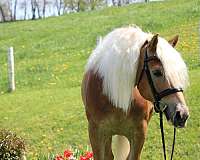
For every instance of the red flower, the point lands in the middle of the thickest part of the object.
(67, 153)
(58, 157)
(83, 158)
(88, 155)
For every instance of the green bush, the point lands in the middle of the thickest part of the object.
(11, 146)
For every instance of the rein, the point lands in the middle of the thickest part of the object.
(157, 99)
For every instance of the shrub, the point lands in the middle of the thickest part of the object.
(11, 146)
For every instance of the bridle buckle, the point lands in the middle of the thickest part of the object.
(159, 106)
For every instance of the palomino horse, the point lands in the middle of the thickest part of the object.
(127, 71)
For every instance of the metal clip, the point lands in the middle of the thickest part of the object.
(159, 106)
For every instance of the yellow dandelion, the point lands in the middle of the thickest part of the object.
(65, 66)
(50, 148)
(56, 77)
(51, 83)
(44, 135)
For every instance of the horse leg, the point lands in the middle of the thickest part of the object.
(137, 142)
(97, 141)
(135, 149)
(108, 149)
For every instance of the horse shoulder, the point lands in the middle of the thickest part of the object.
(142, 106)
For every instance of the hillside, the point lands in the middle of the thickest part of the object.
(46, 109)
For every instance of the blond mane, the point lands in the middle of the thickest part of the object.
(116, 59)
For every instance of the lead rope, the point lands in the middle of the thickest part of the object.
(162, 134)
(173, 145)
(163, 137)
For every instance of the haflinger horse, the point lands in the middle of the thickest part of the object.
(126, 72)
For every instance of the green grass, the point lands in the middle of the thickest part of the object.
(46, 109)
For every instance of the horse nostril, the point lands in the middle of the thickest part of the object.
(180, 119)
(178, 116)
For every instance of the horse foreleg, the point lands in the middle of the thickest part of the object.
(135, 149)
(97, 140)
(108, 149)
(137, 142)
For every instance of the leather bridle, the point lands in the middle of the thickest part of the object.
(158, 97)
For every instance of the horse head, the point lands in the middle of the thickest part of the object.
(161, 78)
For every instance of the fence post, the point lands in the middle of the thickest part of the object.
(11, 73)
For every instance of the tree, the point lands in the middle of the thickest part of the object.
(15, 10)
(71, 5)
(9, 9)
(44, 8)
(59, 5)
(127, 1)
(81, 5)
(2, 13)
(38, 5)
(93, 4)
(119, 3)
(23, 5)
(5, 11)
(43, 4)
(67, 4)
(113, 2)
(33, 9)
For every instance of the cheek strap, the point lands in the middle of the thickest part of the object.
(156, 95)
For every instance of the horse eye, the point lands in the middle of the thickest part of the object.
(157, 73)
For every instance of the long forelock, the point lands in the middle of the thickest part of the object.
(175, 68)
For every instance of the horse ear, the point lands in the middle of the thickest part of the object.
(145, 43)
(173, 41)
(153, 44)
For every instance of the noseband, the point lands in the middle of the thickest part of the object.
(158, 97)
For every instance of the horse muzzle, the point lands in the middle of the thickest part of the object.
(180, 117)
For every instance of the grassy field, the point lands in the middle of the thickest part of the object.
(46, 109)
